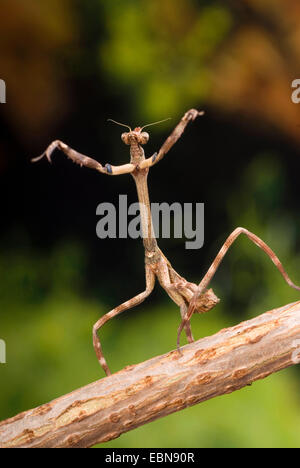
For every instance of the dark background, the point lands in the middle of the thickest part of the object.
(68, 67)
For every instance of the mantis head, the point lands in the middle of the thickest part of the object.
(137, 135)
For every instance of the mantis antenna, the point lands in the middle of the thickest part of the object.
(148, 125)
(118, 123)
(154, 123)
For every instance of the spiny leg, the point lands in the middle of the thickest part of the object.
(216, 263)
(189, 116)
(83, 160)
(150, 281)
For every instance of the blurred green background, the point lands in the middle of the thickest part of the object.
(68, 66)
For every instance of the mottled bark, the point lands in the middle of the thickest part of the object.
(219, 364)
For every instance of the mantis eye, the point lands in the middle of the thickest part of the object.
(125, 138)
(143, 138)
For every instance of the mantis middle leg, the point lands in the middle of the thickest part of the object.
(150, 281)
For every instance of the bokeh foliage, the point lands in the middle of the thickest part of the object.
(160, 54)
(70, 65)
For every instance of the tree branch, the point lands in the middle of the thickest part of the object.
(212, 366)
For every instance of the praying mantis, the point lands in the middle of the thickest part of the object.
(189, 297)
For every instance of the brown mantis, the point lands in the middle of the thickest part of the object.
(188, 296)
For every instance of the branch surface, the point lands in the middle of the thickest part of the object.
(213, 366)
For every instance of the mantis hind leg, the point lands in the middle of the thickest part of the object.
(216, 263)
(222, 252)
(187, 326)
(165, 277)
(224, 249)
